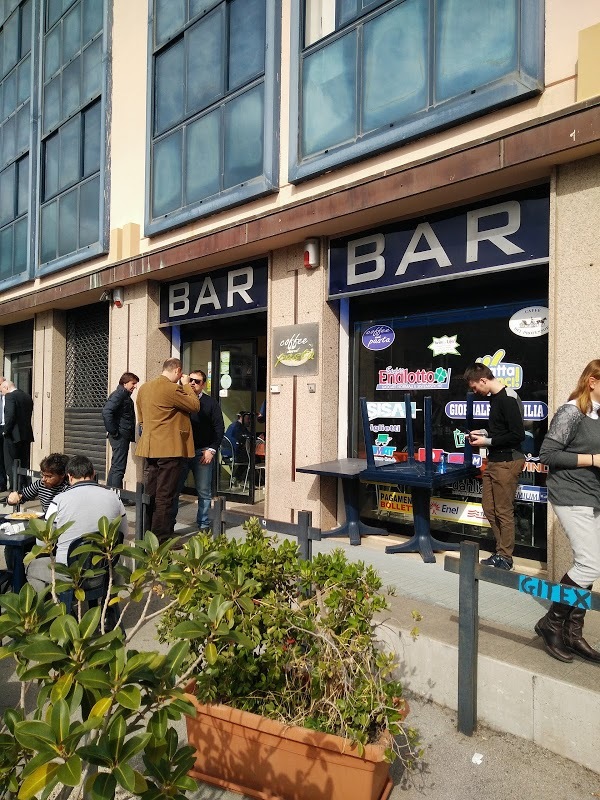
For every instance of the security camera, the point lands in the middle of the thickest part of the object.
(118, 297)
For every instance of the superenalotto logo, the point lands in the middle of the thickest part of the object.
(401, 378)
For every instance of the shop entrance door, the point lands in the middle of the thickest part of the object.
(234, 384)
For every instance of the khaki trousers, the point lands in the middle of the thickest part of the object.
(500, 480)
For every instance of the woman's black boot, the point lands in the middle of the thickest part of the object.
(550, 628)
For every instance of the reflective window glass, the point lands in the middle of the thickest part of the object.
(71, 88)
(395, 65)
(203, 158)
(52, 59)
(49, 232)
(20, 240)
(169, 17)
(11, 42)
(24, 80)
(247, 22)
(204, 46)
(6, 254)
(92, 143)
(9, 140)
(22, 186)
(329, 96)
(89, 212)
(167, 174)
(476, 42)
(69, 169)
(92, 19)
(71, 33)
(67, 226)
(10, 94)
(7, 195)
(169, 87)
(92, 70)
(51, 165)
(23, 129)
(52, 103)
(25, 28)
(244, 129)
(54, 11)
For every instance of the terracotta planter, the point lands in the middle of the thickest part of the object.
(262, 758)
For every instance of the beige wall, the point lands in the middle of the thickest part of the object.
(574, 299)
(49, 347)
(301, 422)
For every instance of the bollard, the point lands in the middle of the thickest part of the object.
(218, 526)
(468, 636)
(304, 541)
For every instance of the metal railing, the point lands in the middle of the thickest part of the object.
(470, 572)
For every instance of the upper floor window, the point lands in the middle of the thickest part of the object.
(71, 131)
(15, 135)
(213, 107)
(375, 73)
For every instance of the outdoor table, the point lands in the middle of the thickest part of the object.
(19, 544)
(420, 477)
(348, 470)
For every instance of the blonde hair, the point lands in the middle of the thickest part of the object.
(583, 391)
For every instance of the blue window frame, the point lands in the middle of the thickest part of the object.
(368, 75)
(213, 100)
(72, 136)
(15, 138)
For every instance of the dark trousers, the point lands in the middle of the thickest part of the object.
(12, 452)
(118, 463)
(161, 478)
(3, 482)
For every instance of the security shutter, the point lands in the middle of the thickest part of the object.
(18, 338)
(86, 382)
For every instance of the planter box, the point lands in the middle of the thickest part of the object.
(265, 759)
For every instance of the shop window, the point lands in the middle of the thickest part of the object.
(72, 132)
(373, 74)
(213, 107)
(15, 126)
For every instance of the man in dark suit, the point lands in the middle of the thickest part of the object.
(3, 483)
(18, 433)
(119, 420)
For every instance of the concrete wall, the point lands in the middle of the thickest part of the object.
(49, 347)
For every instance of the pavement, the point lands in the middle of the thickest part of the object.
(538, 719)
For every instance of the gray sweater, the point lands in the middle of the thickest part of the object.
(569, 434)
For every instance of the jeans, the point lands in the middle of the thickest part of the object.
(118, 464)
(203, 482)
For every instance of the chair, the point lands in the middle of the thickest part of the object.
(260, 467)
(95, 587)
(229, 460)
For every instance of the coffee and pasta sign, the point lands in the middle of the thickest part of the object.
(295, 350)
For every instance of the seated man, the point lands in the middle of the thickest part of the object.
(53, 481)
(84, 502)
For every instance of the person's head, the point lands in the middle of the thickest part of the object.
(588, 387)
(80, 468)
(478, 378)
(53, 469)
(197, 380)
(6, 386)
(244, 418)
(129, 380)
(172, 369)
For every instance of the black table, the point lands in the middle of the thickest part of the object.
(349, 471)
(19, 545)
(421, 478)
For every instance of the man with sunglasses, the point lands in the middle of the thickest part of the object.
(207, 428)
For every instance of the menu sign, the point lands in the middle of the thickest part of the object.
(295, 349)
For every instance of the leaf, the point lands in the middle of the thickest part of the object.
(185, 595)
(134, 746)
(190, 630)
(70, 772)
(93, 679)
(210, 653)
(59, 719)
(62, 687)
(125, 777)
(89, 622)
(41, 779)
(35, 735)
(102, 786)
(64, 629)
(44, 651)
(102, 707)
(129, 697)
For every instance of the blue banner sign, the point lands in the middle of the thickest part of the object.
(224, 293)
(501, 233)
(555, 592)
(533, 410)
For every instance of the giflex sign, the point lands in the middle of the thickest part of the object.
(498, 234)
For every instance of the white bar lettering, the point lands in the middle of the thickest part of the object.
(179, 299)
(242, 287)
(496, 236)
(435, 253)
(374, 256)
(207, 296)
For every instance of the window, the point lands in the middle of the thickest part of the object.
(72, 135)
(373, 74)
(15, 127)
(213, 107)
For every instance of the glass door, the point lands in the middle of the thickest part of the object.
(234, 384)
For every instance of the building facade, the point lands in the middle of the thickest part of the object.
(314, 201)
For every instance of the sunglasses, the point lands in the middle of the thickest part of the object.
(196, 380)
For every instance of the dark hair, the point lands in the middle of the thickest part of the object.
(475, 372)
(55, 463)
(171, 364)
(126, 377)
(199, 372)
(80, 467)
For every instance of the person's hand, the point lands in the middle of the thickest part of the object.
(477, 439)
(184, 380)
(13, 499)
(207, 457)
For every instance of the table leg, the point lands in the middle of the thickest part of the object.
(422, 542)
(18, 576)
(353, 527)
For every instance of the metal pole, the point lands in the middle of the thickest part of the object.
(468, 634)
(140, 515)
(410, 441)
(428, 436)
(304, 542)
(469, 420)
(217, 520)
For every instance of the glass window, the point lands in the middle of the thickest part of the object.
(89, 212)
(414, 66)
(210, 59)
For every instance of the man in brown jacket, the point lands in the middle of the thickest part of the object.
(163, 408)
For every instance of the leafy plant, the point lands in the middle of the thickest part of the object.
(304, 651)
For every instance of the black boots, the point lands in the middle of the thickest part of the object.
(550, 628)
(562, 630)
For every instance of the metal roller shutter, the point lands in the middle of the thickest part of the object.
(86, 383)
